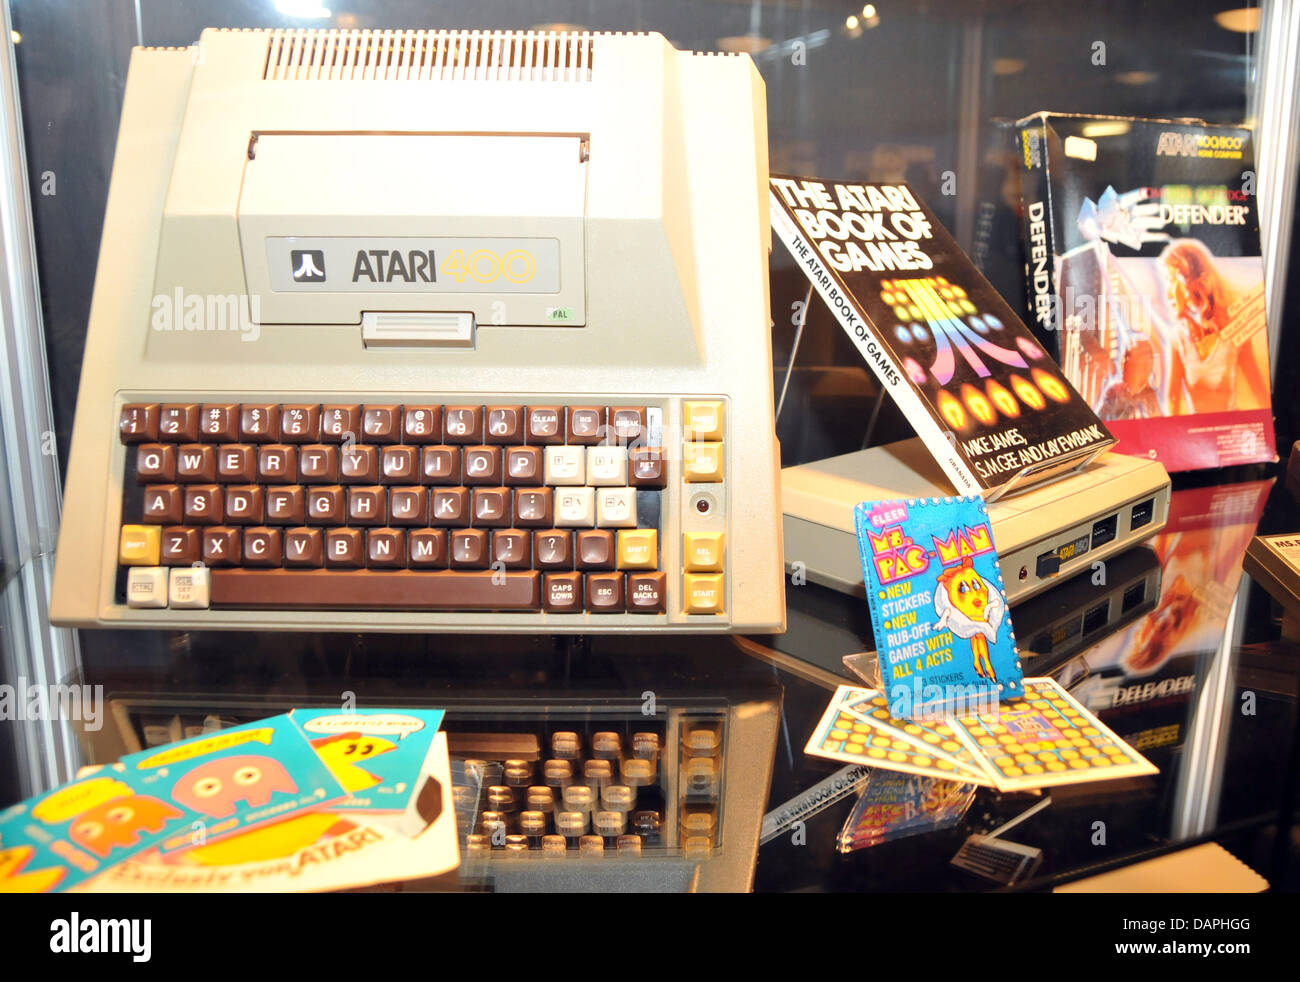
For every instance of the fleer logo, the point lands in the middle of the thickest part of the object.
(308, 265)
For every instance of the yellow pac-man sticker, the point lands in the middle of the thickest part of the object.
(223, 741)
(77, 798)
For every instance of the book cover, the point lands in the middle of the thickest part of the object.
(939, 613)
(333, 848)
(164, 799)
(1146, 281)
(984, 396)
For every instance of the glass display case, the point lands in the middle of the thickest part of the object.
(1174, 648)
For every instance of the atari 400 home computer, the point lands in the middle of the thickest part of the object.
(429, 331)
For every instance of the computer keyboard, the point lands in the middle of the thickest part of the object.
(489, 354)
(422, 506)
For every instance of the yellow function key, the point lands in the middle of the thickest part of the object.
(703, 593)
(140, 545)
(638, 549)
(702, 420)
(702, 551)
(703, 462)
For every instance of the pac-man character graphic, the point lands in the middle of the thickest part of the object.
(215, 786)
(14, 880)
(343, 753)
(119, 823)
(970, 608)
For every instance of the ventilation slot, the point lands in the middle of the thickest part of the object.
(436, 56)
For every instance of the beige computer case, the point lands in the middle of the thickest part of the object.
(669, 160)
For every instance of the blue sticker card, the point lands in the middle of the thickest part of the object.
(938, 608)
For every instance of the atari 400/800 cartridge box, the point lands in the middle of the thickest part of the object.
(1145, 279)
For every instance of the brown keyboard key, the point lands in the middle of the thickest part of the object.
(645, 467)
(463, 424)
(512, 548)
(367, 506)
(422, 424)
(408, 506)
(340, 423)
(403, 589)
(219, 422)
(400, 465)
(647, 593)
(427, 549)
(302, 548)
(382, 424)
(545, 424)
(179, 423)
(318, 464)
(163, 504)
(222, 546)
(259, 422)
(386, 549)
(277, 464)
(262, 547)
(469, 549)
(586, 424)
(604, 593)
(505, 424)
(155, 463)
(344, 548)
(203, 504)
(595, 549)
(534, 508)
(300, 424)
(359, 465)
(626, 423)
(492, 507)
(552, 549)
(196, 462)
(325, 505)
(139, 422)
(244, 505)
(482, 465)
(286, 506)
(562, 593)
(237, 463)
(523, 465)
(450, 506)
(181, 546)
(440, 465)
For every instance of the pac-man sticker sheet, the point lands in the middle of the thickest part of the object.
(842, 736)
(1047, 738)
(932, 736)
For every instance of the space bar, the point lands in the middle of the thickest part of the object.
(370, 589)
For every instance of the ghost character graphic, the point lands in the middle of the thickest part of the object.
(120, 822)
(215, 786)
(970, 608)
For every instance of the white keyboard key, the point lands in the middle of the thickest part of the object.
(607, 466)
(616, 508)
(575, 507)
(189, 588)
(146, 586)
(565, 465)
